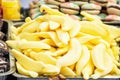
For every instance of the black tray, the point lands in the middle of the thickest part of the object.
(6, 24)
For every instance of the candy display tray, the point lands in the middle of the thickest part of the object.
(23, 77)
(4, 28)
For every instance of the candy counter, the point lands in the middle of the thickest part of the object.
(61, 40)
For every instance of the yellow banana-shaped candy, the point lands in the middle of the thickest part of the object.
(28, 36)
(111, 53)
(89, 45)
(33, 27)
(41, 56)
(108, 64)
(28, 63)
(60, 51)
(75, 29)
(113, 32)
(48, 10)
(23, 71)
(50, 70)
(44, 26)
(116, 51)
(88, 69)
(98, 54)
(72, 66)
(27, 52)
(69, 24)
(13, 44)
(63, 36)
(72, 56)
(65, 21)
(102, 27)
(14, 37)
(93, 29)
(28, 19)
(56, 40)
(48, 41)
(67, 72)
(51, 35)
(90, 17)
(116, 69)
(55, 18)
(26, 27)
(84, 58)
(53, 25)
(86, 38)
(14, 30)
(33, 45)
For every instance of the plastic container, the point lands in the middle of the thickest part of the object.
(11, 9)
(4, 29)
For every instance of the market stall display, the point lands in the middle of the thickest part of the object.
(59, 39)
(54, 44)
(91, 6)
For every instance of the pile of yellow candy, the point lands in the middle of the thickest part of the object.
(55, 44)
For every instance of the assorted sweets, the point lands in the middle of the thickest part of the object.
(3, 59)
(113, 9)
(4, 53)
(69, 8)
(91, 8)
(107, 10)
(55, 44)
